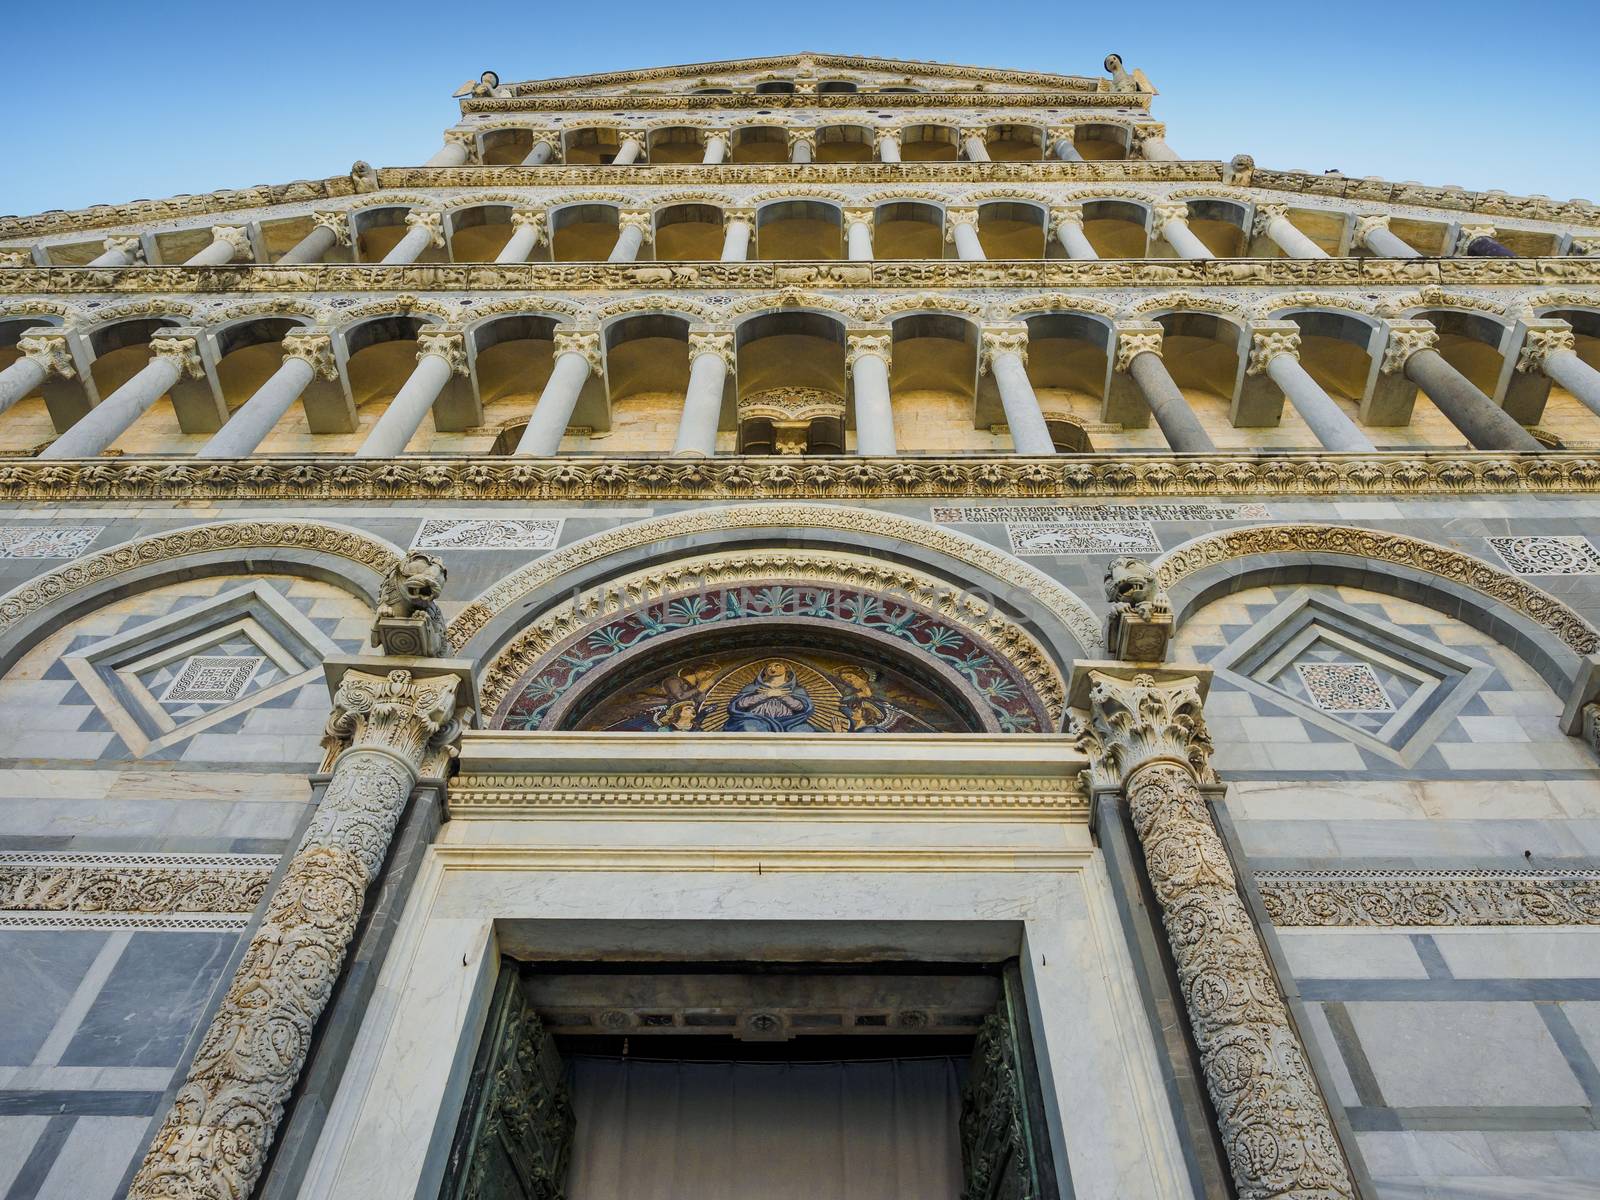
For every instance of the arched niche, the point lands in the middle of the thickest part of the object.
(647, 374)
(591, 145)
(929, 143)
(1015, 143)
(1202, 353)
(1100, 142)
(676, 144)
(908, 229)
(1069, 364)
(583, 232)
(380, 354)
(689, 233)
(799, 229)
(1011, 229)
(846, 143)
(759, 144)
(1471, 343)
(933, 378)
(1335, 350)
(512, 358)
(1117, 228)
(1222, 225)
(506, 147)
(479, 232)
(249, 352)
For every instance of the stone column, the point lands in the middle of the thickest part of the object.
(716, 147)
(858, 234)
(1061, 143)
(395, 727)
(1581, 247)
(711, 358)
(1139, 354)
(172, 357)
(1275, 352)
(306, 354)
(228, 242)
(1373, 233)
(888, 145)
(424, 229)
(441, 353)
(119, 252)
(528, 230)
(1005, 354)
(1272, 221)
(961, 227)
(631, 148)
(1147, 738)
(740, 223)
(1486, 425)
(44, 352)
(1549, 348)
(328, 229)
(1171, 221)
(867, 359)
(633, 231)
(456, 151)
(974, 142)
(1478, 241)
(1067, 225)
(1151, 142)
(577, 357)
(546, 146)
(802, 145)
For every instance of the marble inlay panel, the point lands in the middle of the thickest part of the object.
(55, 541)
(444, 533)
(1547, 555)
(1083, 537)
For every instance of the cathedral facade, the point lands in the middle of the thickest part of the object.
(811, 626)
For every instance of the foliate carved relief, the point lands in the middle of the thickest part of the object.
(1543, 339)
(314, 347)
(184, 350)
(584, 342)
(448, 344)
(49, 350)
(237, 238)
(1408, 898)
(1135, 338)
(429, 221)
(997, 342)
(1269, 339)
(719, 343)
(1405, 339)
(336, 223)
(878, 345)
(147, 884)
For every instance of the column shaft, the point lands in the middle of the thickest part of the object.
(1156, 150)
(800, 152)
(218, 253)
(409, 248)
(874, 408)
(1291, 241)
(110, 419)
(519, 245)
(1179, 425)
(888, 149)
(736, 241)
(111, 257)
(451, 154)
(401, 420)
(968, 246)
(1334, 429)
(859, 239)
(312, 247)
(1386, 245)
(1182, 239)
(19, 379)
(702, 406)
(629, 240)
(977, 149)
(716, 148)
(628, 152)
(1070, 235)
(1029, 433)
(1066, 151)
(1486, 425)
(245, 430)
(1565, 367)
(548, 424)
(539, 155)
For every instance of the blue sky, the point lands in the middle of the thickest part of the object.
(115, 101)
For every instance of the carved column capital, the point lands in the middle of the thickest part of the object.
(888, 135)
(1060, 133)
(1001, 340)
(183, 348)
(237, 238)
(534, 219)
(580, 341)
(808, 136)
(1365, 225)
(397, 713)
(713, 341)
(1268, 339)
(465, 139)
(958, 216)
(1135, 719)
(1149, 131)
(1543, 339)
(448, 344)
(1266, 214)
(858, 216)
(1405, 339)
(1135, 338)
(313, 346)
(433, 222)
(1167, 211)
(635, 220)
(336, 223)
(877, 342)
(1585, 247)
(131, 245)
(747, 215)
(1469, 234)
(638, 135)
(980, 132)
(1070, 214)
(48, 348)
(15, 258)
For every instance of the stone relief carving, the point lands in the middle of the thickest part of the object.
(133, 883)
(1139, 623)
(1402, 898)
(408, 620)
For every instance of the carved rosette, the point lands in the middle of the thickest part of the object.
(215, 1139)
(48, 348)
(1150, 737)
(314, 347)
(1135, 338)
(1268, 339)
(1405, 339)
(448, 344)
(1543, 339)
(433, 222)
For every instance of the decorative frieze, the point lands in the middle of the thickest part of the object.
(140, 891)
(1420, 899)
(1082, 537)
(1046, 513)
(492, 533)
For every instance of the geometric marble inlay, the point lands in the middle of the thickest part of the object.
(1344, 687)
(33, 541)
(1547, 555)
(212, 679)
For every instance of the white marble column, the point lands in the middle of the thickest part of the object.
(546, 146)
(1005, 355)
(961, 227)
(975, 143)
(739, 224)
(228, 242)
(858, 234)
(1484, 423)
(577, 355)
(1138, 352)
(1152, 143)
(716, 147)
(888, 145)
(1061, 143)
(1275, 352)
(1172, 223)
(423, 229)
(711, 359)
(633, 231)
(1373, 232)
(867, 359)
(44, 353)
(1067, 225)
(328, 229)
(441, 353)
(527, 231)
(171, 358)
(306, 354)
(1272, 221)
(1551, 349)
(802, 145)
(631, 148)
(456, 151)
(119, 252)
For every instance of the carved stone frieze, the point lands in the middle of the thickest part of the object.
(145, 884)
(1411, 898)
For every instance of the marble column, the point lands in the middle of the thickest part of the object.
(1549, 348)
(888, 145)
(228, 242)
(441, 353)
(328, 229)
(391, 729)
(739, 224)
(1272, 221)
(961, 227)
(1275, 352)
(546, 143)
(867, 359)
(577, 357)
(527, 231)
(423, 229)
(716, 147)
(171, 357)
(802, 145)
(1060, 140)
(1151, 141)
(306, 354)
(711, 359)
(1139, 354)
(456, 151)
(1478, 241)
(119, 252)
(1171, 221)
(1067, 225)
(974, 143)
(1145, 735)
(1373, 233)
(1486, 425)
(631, 148)
(1005, 355)
(858, 234)
(44, 353)
(633, 231)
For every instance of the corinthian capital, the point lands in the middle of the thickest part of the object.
(1543, 339)
(1139, 718)
(129, 245)
(747, 215)
(313, 346)
(15, 258)
(958, 216)
(579, 341)
(1066, 215)
(1171, 210)
(1405, 339)
(808, 136)
(238, 240)
(1266, 214)
(1135, 338)
(877, 343)
(463, 138)
(1003, 341)
(421, 218)
(858, 216)
(1366, 225)
(48, 348)
(395, 713)
(183, 348)
(892, 136)
(1471, 233)
(635, 220)
(1268, 339)
(1060, 133)
(712, 341)
(448, 344)
(534, 219)
(336, 223)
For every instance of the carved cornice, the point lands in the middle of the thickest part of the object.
(1380, 191)
(737, 101)
(1411, 898)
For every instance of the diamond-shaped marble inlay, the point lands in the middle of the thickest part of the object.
(212, 679)
(1338, 687)
(1548, 555)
